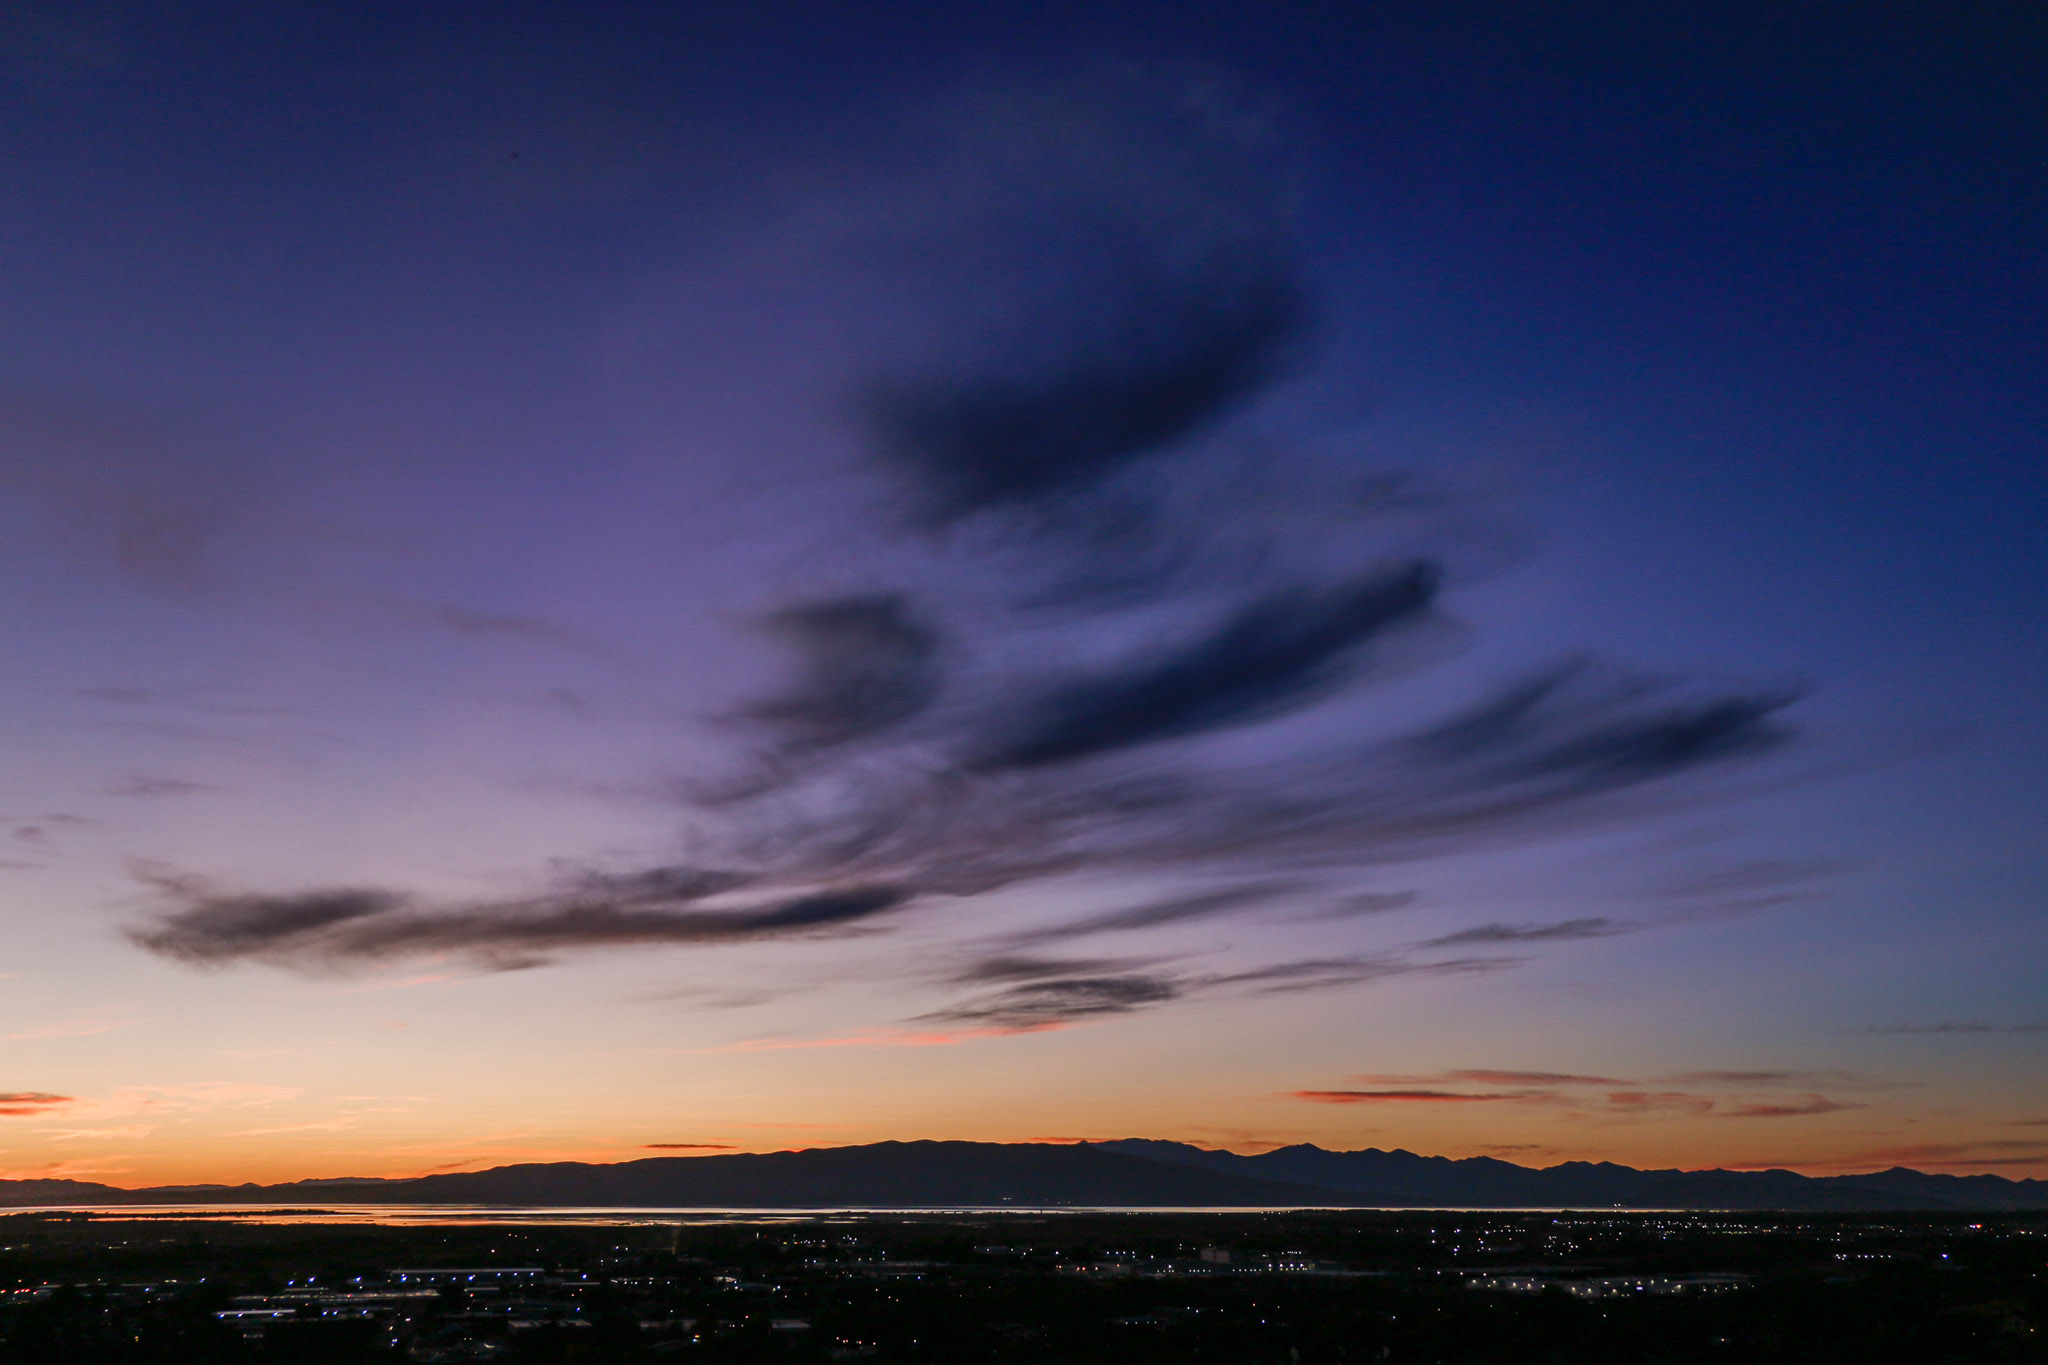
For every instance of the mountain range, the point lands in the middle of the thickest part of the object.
(1132, 1173)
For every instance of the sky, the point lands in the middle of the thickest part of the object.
(588, 582)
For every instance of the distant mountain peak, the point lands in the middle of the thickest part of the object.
(1132, 1173)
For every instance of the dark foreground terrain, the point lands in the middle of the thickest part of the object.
(1245, 1288)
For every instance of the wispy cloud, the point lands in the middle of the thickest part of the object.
(1800, 1108)
(1064, 1000)
(333, 1125)
(1560, 932)
(878, 1037)
(77, 1169)
(1049, 999)
(1359, 903)
(28, 1103)
(84, 1027)
(1646, 1102)
(1749, 886)
(1968, 1026)
(1486, 1076)
(1329, 973)
(865, 666)
(125, 1132)
(1077, 629)
(1420, 1096)
(201, 1096)
(1154, 914)
(326, 928)
(1593, 1098)
(1755, 1079)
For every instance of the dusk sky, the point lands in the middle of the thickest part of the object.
(588, 581)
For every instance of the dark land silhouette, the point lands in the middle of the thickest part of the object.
(1134, 1173)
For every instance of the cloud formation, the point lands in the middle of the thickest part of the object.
(1568, 1093)
(28, 1103)
(1156, 293)
(1054, 992)
(1492, 1077)
(1153, 914)
(325, 928)
(1270, 656)
(1063, 1000)
(1414, 1096)
(1563, 930)
(1087, 626)
(865, 664)
(1810, 1104)
(1179, 350)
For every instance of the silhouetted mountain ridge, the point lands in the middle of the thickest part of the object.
(1403, 1178)
(1133, 1173)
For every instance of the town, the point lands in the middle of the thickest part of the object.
(1299, 1288)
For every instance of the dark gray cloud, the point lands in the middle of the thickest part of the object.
(1179, 351)
(1063, 1000)
(1549, 728)
(1074, 990)
(865, 664)
(29, 1103)
(1026, 967)
(922, 822)
(1112, 254)
(1114, 571)
(221, 928)
(1329, 973)
(1271, 655)
(1152, 914)
(326, 929)
(1561, 931)
(927, 829)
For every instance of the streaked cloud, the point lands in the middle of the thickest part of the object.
(1419, 1096)
(1800, 1108)
(1073, 630)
